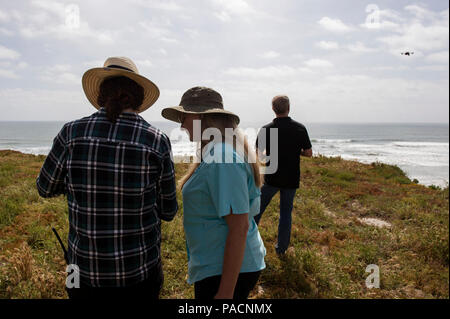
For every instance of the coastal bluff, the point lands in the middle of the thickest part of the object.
(347, 215)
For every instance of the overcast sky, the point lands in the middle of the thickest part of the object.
(338, 61)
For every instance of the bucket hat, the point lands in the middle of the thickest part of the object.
(198, 100)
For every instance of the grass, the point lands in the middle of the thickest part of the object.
(330, 246)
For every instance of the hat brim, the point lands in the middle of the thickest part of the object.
(173, 113)
(92, 79)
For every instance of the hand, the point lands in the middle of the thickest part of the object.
(306, 153)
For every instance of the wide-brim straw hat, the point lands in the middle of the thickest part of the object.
(113, 67)
(198, 100)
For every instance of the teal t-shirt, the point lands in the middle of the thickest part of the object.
(216, 186)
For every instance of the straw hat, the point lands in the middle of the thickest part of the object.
(118, 66)
(198, 100)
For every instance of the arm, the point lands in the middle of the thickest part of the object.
(305, 143)
(261, 151)
(167, 197)
(234, 254)
(51, 179)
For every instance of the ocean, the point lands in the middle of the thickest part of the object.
(421, 150)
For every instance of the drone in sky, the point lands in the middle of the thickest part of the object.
(407, 53)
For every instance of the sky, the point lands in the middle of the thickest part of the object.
(338, 61)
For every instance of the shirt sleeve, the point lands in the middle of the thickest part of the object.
(228, 187)
(167, 197)
(304, 141)
(51, 179)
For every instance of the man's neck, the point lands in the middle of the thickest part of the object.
(129, 110)
(281, 116)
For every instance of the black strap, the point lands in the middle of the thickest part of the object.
(119, 67)
(62, 245)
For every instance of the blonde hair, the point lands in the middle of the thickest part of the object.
(223, 122)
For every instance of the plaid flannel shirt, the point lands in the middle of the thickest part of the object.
(120, 182)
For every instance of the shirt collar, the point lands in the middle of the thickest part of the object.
(280, 119)
(128, 115)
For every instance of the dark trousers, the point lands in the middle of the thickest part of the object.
(286, 205)
(148, 289)
(207, 288)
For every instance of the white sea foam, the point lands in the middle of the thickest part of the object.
(425, 161)
(331, 141)
(421, 144)
(40, 150)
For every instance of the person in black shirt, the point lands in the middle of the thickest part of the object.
(292, 141)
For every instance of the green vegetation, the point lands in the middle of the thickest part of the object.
(331, 242)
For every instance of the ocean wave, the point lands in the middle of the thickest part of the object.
(420, 144)
(327, 140)
(378, 141)
(43, 150)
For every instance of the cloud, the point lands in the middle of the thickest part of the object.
(144, 63)
(94, 63)
(383, 20)
(264, 72)
(6, 32)
(4, 17)
(50, 18)
(418, 37)
(277, 72)
(222, 16)
(256, 53)
(54, 104)
(378, 95)
(318, 63)
(225, 10)
(60, 74)
(6, 53)
(163, 5)
(328, 45)
(438, 57)
(158, 29)
(420, 13)
(347, 78)
(51, 6)
(9, 68)
(334, 25)
(433, 68)
(298, 55)
(426, 31)
(237, 7)
(360, 47)
(8, 74)
(270, 55)
(193, 33)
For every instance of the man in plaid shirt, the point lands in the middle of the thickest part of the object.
(120, 182)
